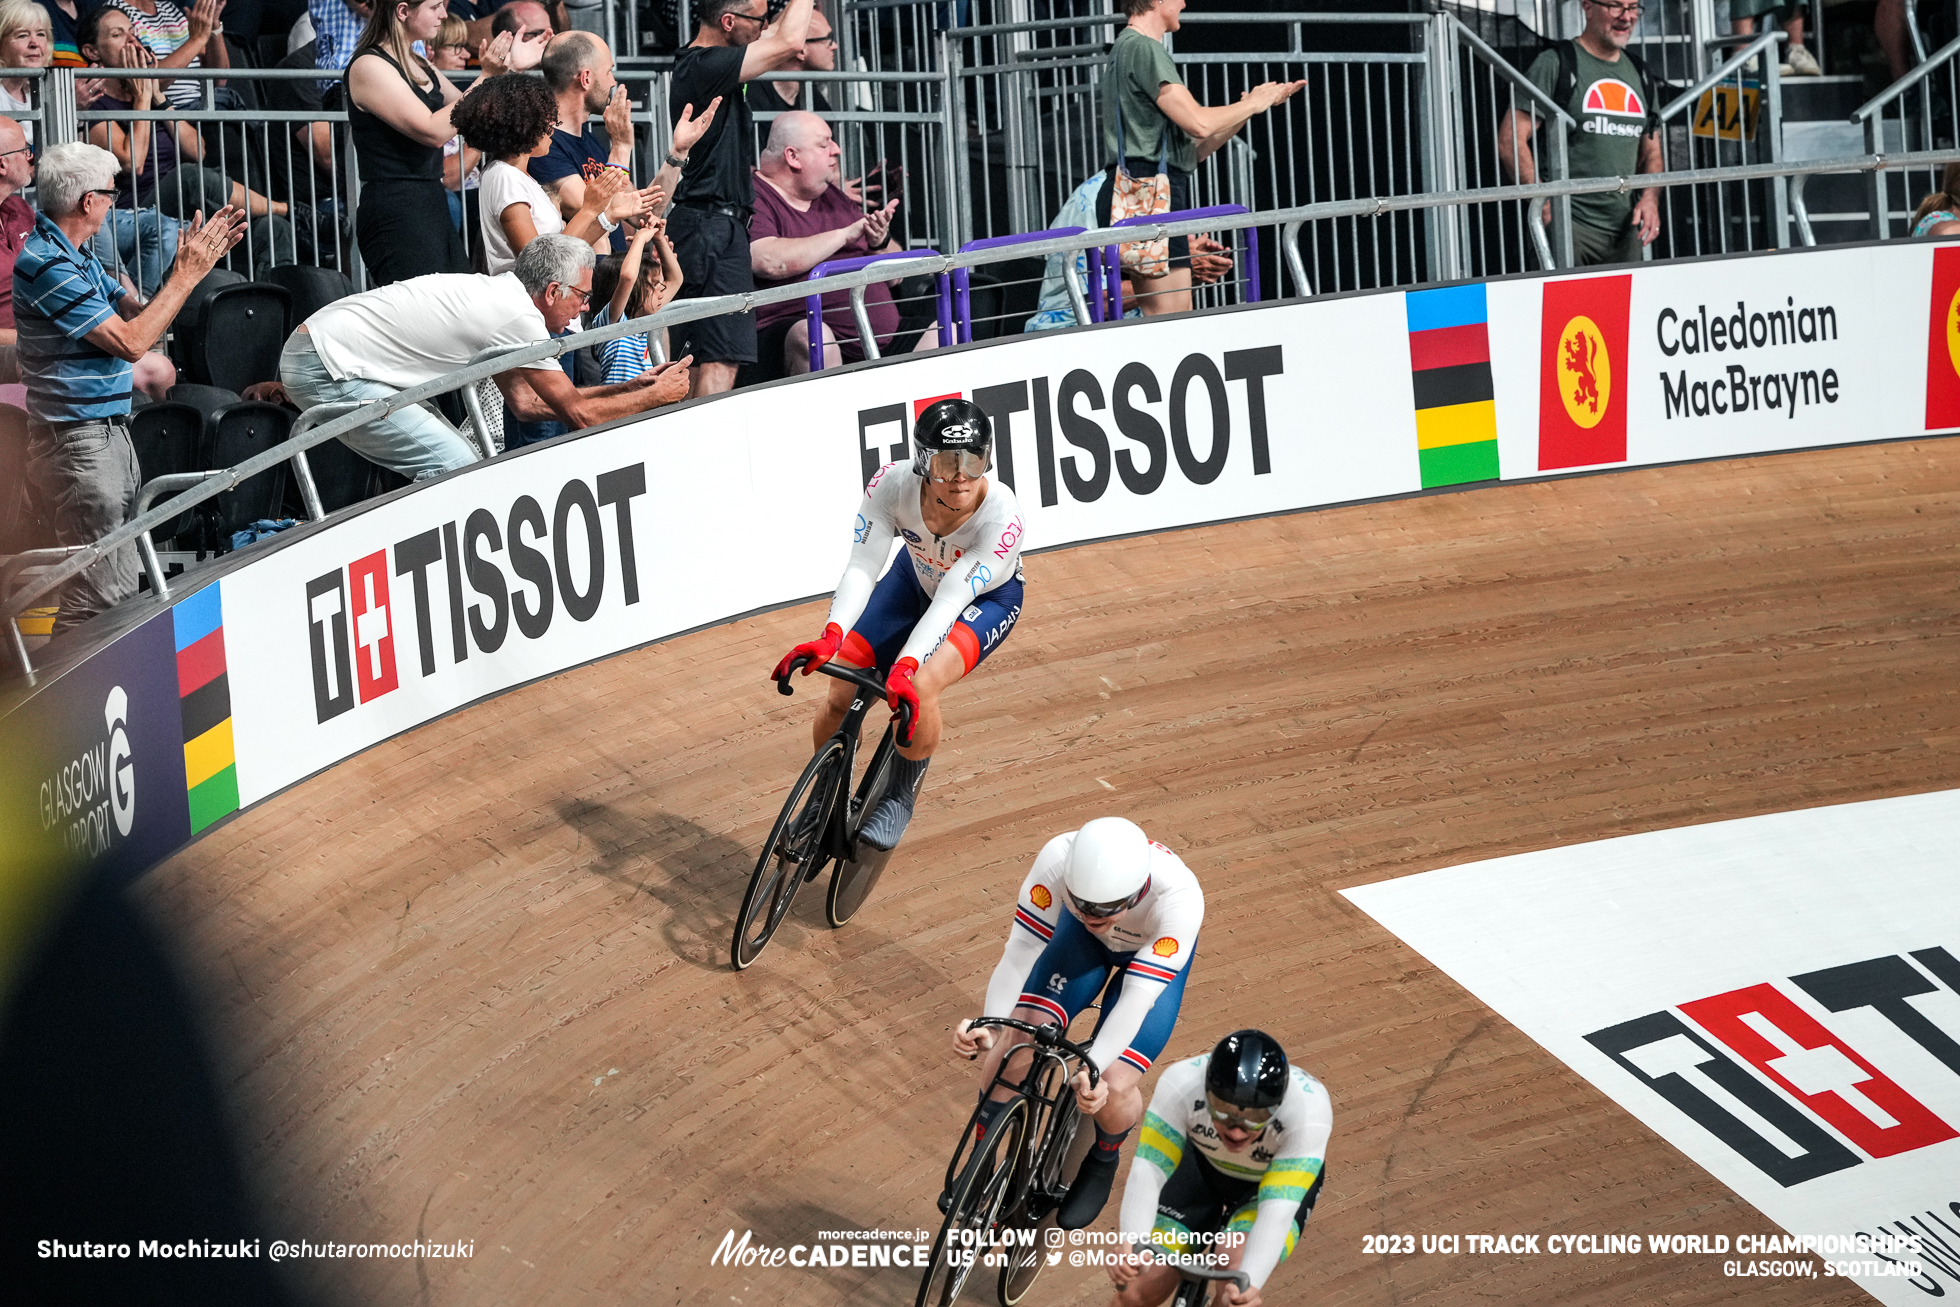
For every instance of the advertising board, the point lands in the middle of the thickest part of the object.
(1751, 990)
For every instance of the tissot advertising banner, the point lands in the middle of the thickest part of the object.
(544, 560)
(344, 635)
(1777, 997)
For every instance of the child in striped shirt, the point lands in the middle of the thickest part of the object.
(645, 285)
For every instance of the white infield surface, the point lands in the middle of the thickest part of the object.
(1777, 997)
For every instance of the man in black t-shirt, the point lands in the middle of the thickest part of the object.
(709, 223)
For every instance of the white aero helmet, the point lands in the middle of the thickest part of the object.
(1108, 867)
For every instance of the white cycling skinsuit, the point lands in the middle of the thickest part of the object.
(954, 571)
(1054, 962)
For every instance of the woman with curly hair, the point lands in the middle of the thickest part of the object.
(511, 119)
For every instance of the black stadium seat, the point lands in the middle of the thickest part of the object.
(205, 399)
(237, 432)
(344, 478)
(169, 438)
(237, 338)
(311, 288)
(189, 318)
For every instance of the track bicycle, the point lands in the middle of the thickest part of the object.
(820, 821)
(1002, 1189)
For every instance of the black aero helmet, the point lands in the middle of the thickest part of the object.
(1248, 1070)
(955, 427)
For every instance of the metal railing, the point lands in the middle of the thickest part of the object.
(1487, 88)
(986, 129)
(1032, 92)
(1732, 116)
(309, 434)
(296, 170)
(1915, 113)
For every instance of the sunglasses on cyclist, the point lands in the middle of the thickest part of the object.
(1253, 1119)
(946, 464)
(1111, 909)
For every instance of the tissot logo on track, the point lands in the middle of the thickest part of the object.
(362, 618)
(1180, 425)
(1803, 1072)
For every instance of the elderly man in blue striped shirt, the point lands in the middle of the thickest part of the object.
(80, 334)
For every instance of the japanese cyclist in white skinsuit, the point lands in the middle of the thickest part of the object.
(947, 601)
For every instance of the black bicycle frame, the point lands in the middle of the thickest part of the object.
(869, 691)
(1050, 1045)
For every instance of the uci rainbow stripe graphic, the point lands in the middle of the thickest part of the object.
(210, 759)
(1449, 364)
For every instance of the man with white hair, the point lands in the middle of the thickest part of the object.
(80, 334)
(372, 345)
(802, 219)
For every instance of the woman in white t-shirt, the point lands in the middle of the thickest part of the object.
(511, 119)
(26, 37)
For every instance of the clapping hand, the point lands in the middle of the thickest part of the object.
(206, 18)
(619, 118)
(688, 130)
(605, 184)
(1272, 94)
(872, 185)
(526, 54)
(878, 225)
(493, 55)
(204, 242)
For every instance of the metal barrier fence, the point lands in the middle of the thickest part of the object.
(1364, 125)
(310, 431)
(1916, 113)
(987, 130)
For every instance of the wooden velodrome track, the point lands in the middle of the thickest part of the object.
(473, 984)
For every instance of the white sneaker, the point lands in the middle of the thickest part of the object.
(1801, 63)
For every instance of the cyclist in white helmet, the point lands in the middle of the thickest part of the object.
(1105, 899)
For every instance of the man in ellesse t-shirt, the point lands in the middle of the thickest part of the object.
(1611, 99)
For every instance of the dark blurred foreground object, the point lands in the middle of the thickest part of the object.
(113, 1131)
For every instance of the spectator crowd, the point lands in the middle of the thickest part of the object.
(106, 240)
(500, 207)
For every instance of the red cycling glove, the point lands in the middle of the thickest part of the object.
(820, 651)
(899, 688)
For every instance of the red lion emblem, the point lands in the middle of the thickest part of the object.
(1580, 354)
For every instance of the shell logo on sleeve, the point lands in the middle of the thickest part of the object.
(1042, 898)
(1165, 947)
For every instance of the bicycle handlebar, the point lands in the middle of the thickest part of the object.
(865, 680)
(1048, 1036)
(1236, 1278)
